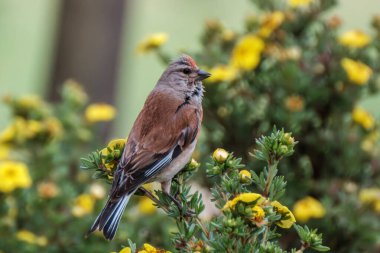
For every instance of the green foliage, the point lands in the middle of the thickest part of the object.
(289, 65)
(53, 212)
(249, 214)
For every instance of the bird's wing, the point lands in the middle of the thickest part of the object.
(162, 130)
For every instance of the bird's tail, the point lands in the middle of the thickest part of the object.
(109, 218)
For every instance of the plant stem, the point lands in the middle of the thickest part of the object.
(302, 249)
(272, 171)
(155, 200)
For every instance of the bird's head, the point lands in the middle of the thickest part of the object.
(183, 75)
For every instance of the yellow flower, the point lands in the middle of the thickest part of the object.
(97, 191)
(150, 249)
(307, 208)
(369, 142)
(13, 175)
(84, 204)
(287, 217)
(154, 41)
(193, 165)
(53, 127)
(354, 39)
(33, 128)
(4, 151)
(8, 134)
(246, 54)
(99, 112)
(146, 206)
(357, 72)
(369, 195)
(245, 176)
(31, 238)
(258, 213)
(30, 102)
(112, 152)
(126, 250)
(222, 73)
(74, 92)
(376, 206)
(246, 198)
(47, 190)
(294, 103)
(270, 23)
(363, 118)
(220, 155)
(299, 3)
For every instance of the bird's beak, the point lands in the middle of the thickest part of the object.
(202, 75)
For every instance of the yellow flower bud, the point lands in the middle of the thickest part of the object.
(220, 155)
(193, 165)
(245, 176)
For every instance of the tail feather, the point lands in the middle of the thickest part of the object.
(109, 218)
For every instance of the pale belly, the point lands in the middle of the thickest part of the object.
(176, 165)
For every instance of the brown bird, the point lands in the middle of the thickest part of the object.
(161, 141)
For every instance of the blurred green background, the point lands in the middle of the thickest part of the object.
(31, 33)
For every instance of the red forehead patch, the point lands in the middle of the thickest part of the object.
(191, 61)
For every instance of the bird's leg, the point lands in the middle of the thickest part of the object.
(165, 186)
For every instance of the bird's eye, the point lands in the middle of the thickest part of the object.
(186, 71)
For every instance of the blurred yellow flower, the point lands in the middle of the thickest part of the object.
(258, 213)
(246, 198)
(150, 249)
(154, 41)
(376, 206)
(228, 35)
(357, 72)
(8, 134)
(354, 39)
(99, 112)
(33, 128)
(245, 176)
(30, 102)
(247, 53)
(13, 175)
(146, 206)
(53, 127)
(271, 22)
(74, 92)
(47, 190)
(222, 73)
(369, 142)
(4, 151)
(220, 155)
(97, 191)
(294, 103)
(363, 118)
(126, 250)
(31, 238)
(369, 195)
(308, 208)
(299, 3)
(287, 219)
(84, 204)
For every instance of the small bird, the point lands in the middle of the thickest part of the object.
(161, 141)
